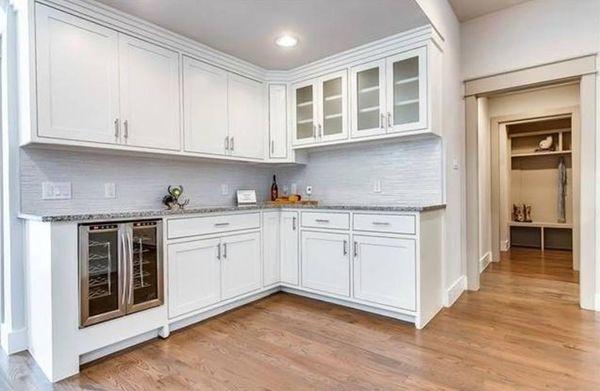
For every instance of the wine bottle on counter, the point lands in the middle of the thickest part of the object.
(274, 192)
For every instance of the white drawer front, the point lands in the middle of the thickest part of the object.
(326, 220)
(179, 228)
(402, 224)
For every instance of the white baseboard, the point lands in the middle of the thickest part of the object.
(13, 341)
(455, 290)
(485, 261)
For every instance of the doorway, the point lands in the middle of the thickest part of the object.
(518, 137)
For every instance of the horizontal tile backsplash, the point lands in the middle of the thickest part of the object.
(410, 172)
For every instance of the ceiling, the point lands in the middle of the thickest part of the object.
(247, 29)
(470, 9)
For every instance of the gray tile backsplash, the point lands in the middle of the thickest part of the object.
(410, 172)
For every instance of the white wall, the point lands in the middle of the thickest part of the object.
(532, 33)
(442, 17)
(485, 183)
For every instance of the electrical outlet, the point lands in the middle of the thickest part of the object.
(377, 186)
(294, 188)
(308, 190)
(110, 190)
(56, 190)
(224, 189)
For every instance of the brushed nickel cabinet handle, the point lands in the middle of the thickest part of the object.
(355, 249)
(219, 251)
(272, 146)
(226, 143)
(221, 224)
(315, 131)
(125, 129)
(345, 247)
(293, 223)
(389, 124)
(380, 223)
(116, 128)
(320, 130)
(322, 221)
(231, 145)
(381, 120)
(224, 250)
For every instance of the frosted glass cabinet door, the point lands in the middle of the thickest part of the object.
(368, 99)
(333, 115)
(305, 127)
(407, 90)
(77, 78)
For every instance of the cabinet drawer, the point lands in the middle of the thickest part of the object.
(179, 228)
(326, 220)
(402, 224)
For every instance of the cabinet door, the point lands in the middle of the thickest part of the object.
(407, 90)
(326, 262)
(278, 121)
(149, 94)
(367, 85)
(77, 78)
(247, 126)
(271, 248)
(385, 271)
(240, 264)
(204, 108)
(289, 248)
(333, 107)
(304, 113)
(194, 275)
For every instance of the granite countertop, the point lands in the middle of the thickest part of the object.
(219, 209)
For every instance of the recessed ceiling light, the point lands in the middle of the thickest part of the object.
(286, 41)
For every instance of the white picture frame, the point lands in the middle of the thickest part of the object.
(246, 197)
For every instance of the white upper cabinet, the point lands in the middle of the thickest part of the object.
(278, 147)
(406, 76)
(204, 108)
(77, 78)
(149, 94)
(247, 125)
(321, 109)
(333, 107)
(368, 101)
(390, 95)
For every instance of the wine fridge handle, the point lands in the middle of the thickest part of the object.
(130, 263)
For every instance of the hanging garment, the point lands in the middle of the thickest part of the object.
(562, 190)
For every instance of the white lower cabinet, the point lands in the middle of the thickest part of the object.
(326, 262)
(194, 275)
(271, 247)
(240, 260)
(385, 271)
(289, 248)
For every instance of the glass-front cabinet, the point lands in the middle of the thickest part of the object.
(407, 90)
(120, 269)
(321, 109)
(389, 95)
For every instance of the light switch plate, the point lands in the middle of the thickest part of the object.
(294, 188)
(56, 190)
(110, 190)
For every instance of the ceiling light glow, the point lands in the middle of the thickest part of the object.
(286, 41)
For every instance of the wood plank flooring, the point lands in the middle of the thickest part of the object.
(522, 330)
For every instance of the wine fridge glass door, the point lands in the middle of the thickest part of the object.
(145, 266)
(101, 273)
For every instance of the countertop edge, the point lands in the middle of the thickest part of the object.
(89, 217)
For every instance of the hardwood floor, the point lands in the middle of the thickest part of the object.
(523, 329)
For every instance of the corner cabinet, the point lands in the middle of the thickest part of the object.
(100, 86)
(320, 109)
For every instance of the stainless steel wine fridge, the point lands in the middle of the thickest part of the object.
(120, 269)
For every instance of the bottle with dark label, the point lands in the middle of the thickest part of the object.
(274, 192)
